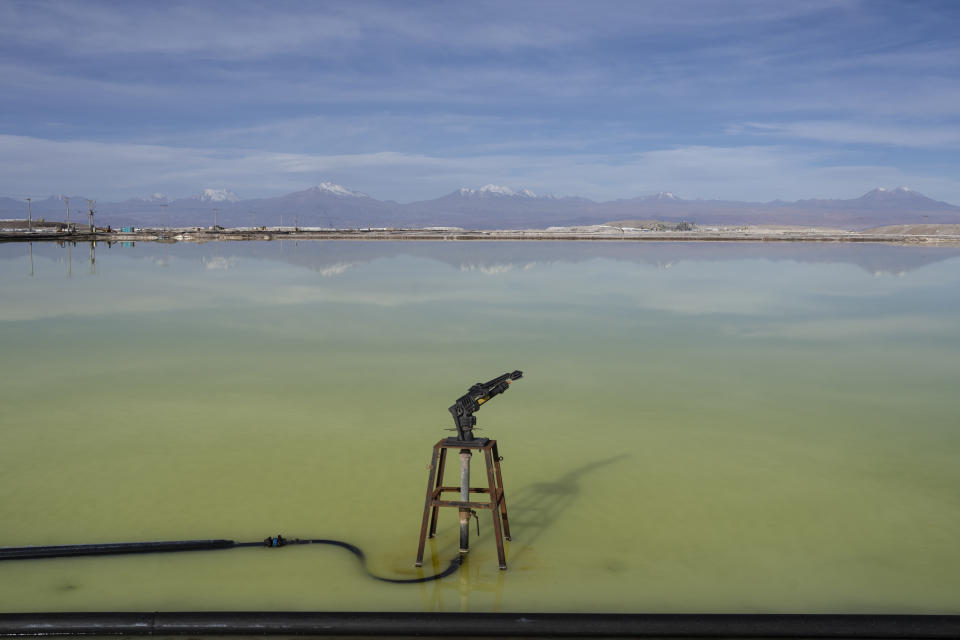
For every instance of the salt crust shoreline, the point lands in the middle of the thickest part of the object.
(938, 235)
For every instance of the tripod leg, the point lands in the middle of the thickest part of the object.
(433, 516)
(494, 509)
(426, 505)
(503, 496)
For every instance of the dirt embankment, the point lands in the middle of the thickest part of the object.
(40, 223)
(919, 229)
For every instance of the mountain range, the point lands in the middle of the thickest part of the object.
(489, 207)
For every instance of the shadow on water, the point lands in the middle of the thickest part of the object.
(533, 510)
(537, 507)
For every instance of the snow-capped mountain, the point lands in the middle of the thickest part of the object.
(324, 205)
(881, 198)
(883, 192)
(496, 206)
(493, 191)
(337, 190)
(664, 195)
(898, 197)
(217, 195)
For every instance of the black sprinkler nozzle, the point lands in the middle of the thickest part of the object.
(465, 406)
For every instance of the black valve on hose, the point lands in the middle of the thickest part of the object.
(275, 541)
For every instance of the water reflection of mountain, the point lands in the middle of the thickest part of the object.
(332, 258)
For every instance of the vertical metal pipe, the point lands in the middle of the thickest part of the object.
(464, 497)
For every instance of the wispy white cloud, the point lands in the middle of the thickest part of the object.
(251, 30)
(29, 76)
(840, 131)
(246, 31)
(605, 100)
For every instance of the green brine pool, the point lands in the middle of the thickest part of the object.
(700, 427)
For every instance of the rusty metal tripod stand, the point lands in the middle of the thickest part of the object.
(435, 488)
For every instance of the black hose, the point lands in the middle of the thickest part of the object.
(117, 548)
(451, 568)
(114, 548)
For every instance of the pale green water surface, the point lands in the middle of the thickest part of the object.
(701, 428)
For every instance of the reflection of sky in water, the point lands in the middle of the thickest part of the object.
(754, 428)
(783, 287)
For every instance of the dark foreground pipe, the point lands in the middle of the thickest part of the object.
(482, 624)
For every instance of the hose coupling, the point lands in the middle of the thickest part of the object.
(275, 541)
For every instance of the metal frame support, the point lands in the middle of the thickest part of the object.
(435, 490)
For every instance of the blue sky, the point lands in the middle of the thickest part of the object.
(410, 100)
